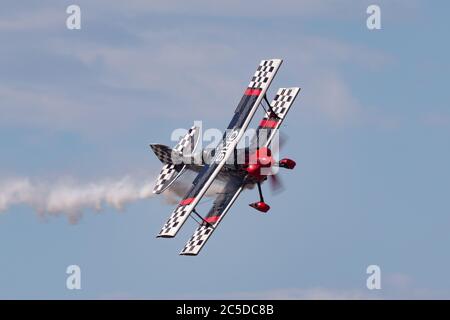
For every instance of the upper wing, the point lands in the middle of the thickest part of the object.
(272, 121)
(220, 207)
(242, 117)
(267, 129)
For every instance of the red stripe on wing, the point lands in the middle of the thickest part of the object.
(252, 92)
(268, 123)
(186, 201)
(212, 219)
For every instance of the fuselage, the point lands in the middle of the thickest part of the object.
(252, 164)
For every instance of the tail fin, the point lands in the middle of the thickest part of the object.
(172, 159)
(165, 154)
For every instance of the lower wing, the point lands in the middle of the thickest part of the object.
(221, 205)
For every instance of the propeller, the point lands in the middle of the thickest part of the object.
(275, 181)
(276, 185)
(283, 138)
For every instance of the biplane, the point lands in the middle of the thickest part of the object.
(257, 160)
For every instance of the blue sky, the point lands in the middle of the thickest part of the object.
(370, 133)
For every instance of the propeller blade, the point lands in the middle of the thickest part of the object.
(283, 139)
(276, 185)
(278, 143)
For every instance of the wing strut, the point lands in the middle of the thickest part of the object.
(203, 219)
(272, 113)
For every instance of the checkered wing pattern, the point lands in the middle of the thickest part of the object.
(263, 74)
(188, 143)
(167, 174)
(283, 101)
(197, 241)
(175, 222)
(272, 121)
(221, 205)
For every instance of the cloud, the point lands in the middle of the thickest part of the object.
(36, 20)
(330, 99)
(399, 281)
(317, 293)
(267, 9)
(180, 79)
(196, 72)
(28, 107)
(435, 119)
(394, 286)
(83, 81)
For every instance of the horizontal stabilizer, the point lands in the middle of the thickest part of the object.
(173, 159)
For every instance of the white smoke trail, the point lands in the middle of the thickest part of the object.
(70, 198)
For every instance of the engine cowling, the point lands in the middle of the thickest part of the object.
(253, 169)
(262, 158)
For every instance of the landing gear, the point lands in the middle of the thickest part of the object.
(261, 205)
(256, 176)
(287, 163)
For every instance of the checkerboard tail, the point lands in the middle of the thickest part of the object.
(173, 159)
